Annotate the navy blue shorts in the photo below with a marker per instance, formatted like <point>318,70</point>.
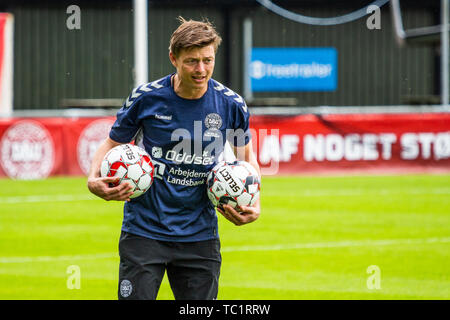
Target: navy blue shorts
<point>193,268</point>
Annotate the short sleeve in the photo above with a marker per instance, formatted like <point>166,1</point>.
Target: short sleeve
<point>127,123</point>
<point>240,134</point>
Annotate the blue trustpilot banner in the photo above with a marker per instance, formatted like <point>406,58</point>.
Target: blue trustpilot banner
<point>293,69</point>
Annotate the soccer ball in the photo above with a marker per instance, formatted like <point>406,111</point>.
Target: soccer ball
<point>131,164</point>
<point>234,183</point>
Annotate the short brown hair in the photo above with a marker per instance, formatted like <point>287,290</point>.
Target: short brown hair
<point>193,34</point>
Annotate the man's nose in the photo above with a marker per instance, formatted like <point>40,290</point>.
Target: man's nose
<point>200,67</point>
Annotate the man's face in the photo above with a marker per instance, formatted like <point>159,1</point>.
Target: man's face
<point>195,67</point>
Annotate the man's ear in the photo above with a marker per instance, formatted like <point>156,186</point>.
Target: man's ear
<point>173,59</point>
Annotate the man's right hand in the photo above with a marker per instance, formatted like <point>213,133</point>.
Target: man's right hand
<point>100,187</point>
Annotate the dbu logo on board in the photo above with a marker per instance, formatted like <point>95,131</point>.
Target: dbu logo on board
<point>293,69</point>
<point>27,151</point>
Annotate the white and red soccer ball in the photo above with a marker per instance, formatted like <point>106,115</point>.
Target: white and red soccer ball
<point>233,183</point>
<point>131,164</point>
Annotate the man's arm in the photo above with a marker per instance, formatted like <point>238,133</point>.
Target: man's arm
<point>100,186</point>
<point>247,214</point>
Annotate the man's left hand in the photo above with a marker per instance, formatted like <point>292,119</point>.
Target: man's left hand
<point>239,218</point>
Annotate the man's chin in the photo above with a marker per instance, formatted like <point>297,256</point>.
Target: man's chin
<point>200,85</point>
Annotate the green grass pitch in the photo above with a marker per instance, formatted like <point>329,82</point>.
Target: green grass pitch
<point>316,239</point>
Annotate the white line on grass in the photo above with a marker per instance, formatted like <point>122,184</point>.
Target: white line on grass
<point>58,258</point>
<point>306,193</point>
<point>47,198</point>
<point>293,246</point>
<point>363,192</point>
<point>336,244</point>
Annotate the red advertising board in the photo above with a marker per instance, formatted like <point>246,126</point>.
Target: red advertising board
<point>32,148</point>
<point>360,142</point>
<point>6,62</point>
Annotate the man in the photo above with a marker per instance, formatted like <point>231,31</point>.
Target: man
<point>183,120</point>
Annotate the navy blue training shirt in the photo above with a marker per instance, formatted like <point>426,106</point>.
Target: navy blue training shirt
<point>184,138</point>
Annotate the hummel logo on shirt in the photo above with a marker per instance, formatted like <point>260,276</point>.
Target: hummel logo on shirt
<point>163,117</point>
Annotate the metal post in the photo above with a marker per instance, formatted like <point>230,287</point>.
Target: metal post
<point>247,45</point>
<point>140,42</point>
<point>444,54</point>
<point>399,32</point>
